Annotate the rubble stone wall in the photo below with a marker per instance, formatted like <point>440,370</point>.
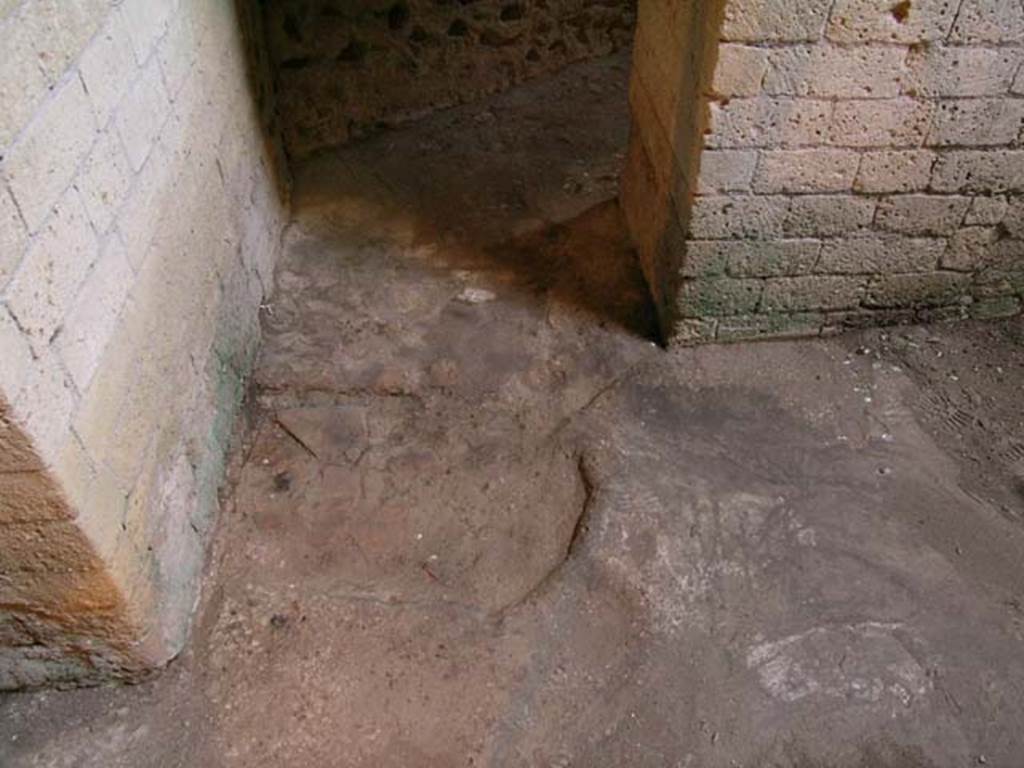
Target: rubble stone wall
<point>345,69</point>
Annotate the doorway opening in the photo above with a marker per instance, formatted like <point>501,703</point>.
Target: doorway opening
<point>497,131</point>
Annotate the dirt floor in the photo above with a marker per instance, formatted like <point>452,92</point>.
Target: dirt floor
<point>479,519</point>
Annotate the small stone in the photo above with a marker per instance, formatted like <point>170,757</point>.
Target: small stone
<point>476,296</point>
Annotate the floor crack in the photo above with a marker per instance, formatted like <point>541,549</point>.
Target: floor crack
<point>298,440</point>
<point>594,399</point>
<point>576,537</point>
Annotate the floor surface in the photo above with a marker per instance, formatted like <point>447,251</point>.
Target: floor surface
<point>479,519</point>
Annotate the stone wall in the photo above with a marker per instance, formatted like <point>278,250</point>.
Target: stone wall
<point>344,69</point>
<point>860,162</point>
<point>139,222</point>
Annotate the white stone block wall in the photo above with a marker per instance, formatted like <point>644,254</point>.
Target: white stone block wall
<point>867,155</point>
<point>140,217</point>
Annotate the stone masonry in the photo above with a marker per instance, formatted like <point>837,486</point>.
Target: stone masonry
<point>827,164</point>
<point>346,69</point>
<point>139,223</point>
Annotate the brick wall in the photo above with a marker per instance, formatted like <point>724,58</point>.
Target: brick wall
<point>860,163</point>
<point>346,69</point>
<point>139,222</point>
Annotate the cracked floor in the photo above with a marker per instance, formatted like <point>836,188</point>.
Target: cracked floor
<point>479,519</point>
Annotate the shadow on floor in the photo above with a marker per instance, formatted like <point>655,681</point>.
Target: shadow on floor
<point>522,187</point>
